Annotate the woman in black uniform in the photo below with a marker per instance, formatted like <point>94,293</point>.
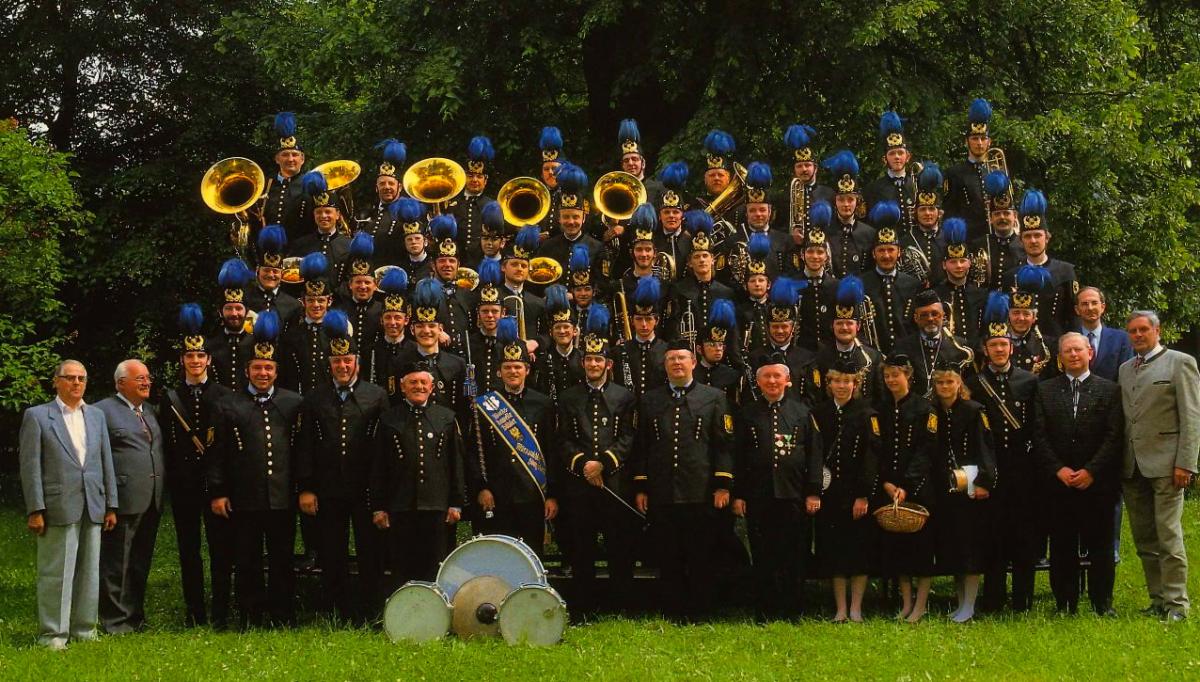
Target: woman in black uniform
<point>958,469</point>
<point>845,533</point>
<point>902,419</point>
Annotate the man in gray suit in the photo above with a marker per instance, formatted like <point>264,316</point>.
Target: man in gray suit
<point>137,454</point>
<point>1160,392</point>
<point>70,490</point>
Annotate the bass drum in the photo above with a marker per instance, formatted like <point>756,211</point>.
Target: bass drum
<point>533,615</point>
<point>417,612</point>
<point>501,556</point>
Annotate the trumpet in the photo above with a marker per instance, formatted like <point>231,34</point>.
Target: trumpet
<point>435,181</point>
<point>687,325</point>
<point>524,201</point>
<point>231,186</point>
<point>868,322</point>
<point>518,307</point>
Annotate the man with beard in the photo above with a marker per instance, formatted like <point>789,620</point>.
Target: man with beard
<point>999,250</point>
<point>932,344</point>
<point>229,347</point>
<point>267,293</point>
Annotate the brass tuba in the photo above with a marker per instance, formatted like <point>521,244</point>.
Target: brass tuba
<point>339,174</point>
<point>231,186</point>
<point>729,200</point>
<point>524,201</point>
<point>618,194</point>
<point>435,181</point>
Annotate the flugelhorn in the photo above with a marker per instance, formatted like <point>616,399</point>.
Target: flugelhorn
<point>230,187</point>
<point>523,201</point>
<point>435,181</point>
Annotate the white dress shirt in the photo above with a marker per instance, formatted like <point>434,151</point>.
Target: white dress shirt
<point>76,428</point>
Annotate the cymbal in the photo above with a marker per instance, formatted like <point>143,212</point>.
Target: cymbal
<point>476,606</point>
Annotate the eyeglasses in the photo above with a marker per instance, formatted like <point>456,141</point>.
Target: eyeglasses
<point>73,378</point>
<point>143,379</point>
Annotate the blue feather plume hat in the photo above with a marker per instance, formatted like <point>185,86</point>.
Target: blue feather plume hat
<point>579,266</point>
<point>979,116</point>
<point>266,336</point>
<point>285,131</point>
<point>362,250</point>
<point>843,167</point>
<point>647,296</point>
<point>891,131</point>
<point>758,182</point>
<point>674,177</point>
<point>930,185</point>
<point>191,329</point>
<point>630,138</point>
<point>954,235</point>
<point>443,233</point>
<point>551,143</point>
<point>394,154</point>
<point>995,316</point>
<point>998,191</point>
<point>719,148</point>
<point>596,330</point>
<point>394,285</point>
<point>849,298</point>
<point>1033,211</point>
<point>1030,282</point>
<point>480,154</point>
<point>340,333</point>
<point>783,298</point>
<point>272,243</point>
<point>722,321</point>
<point>799,138</point>
<point>233,279</point>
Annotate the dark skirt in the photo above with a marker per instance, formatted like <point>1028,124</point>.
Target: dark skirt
<point>845,547</point>
<point>962,530</point>
<point>909,554</point>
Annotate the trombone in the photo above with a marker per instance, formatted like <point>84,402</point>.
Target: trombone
<point>230,187</point>
<point>518,307</point>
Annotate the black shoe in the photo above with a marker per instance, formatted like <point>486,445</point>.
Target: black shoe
<point>1106,612</point>
<point>1153,610</point>
<point>1067,609</point>
<point>1174,617</point>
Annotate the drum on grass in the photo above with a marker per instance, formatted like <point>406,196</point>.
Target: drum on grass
<point>533,614</point>
<point>417,612</point>
<point>501,556</point>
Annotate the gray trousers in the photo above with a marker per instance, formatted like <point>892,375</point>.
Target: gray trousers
<point>68,566</point>
<point>125,554</point>
<point>1155,510</point>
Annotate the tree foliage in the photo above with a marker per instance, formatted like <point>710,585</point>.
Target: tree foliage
<point>39,210</point>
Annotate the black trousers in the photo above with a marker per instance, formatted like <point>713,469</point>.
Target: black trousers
<point>418,540</point>
<point>1082,519</point>
<point>191,509</point>
<point>686,539</point>
<point>125,554</point>
<point>591,514</point>
<point>276,529</point>
<point>780,534</point>
<point>1017,517</point>
<point>524,520</point>
<point>335,517</point>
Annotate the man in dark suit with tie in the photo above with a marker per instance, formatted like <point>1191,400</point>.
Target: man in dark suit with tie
<point>1079,445</point>
<point>137,452</point>
<point>1160,394</point>
<point>1110,346</point>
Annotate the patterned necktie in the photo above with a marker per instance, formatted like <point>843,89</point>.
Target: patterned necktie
<point>145,427</point>
<point>1074,397</point>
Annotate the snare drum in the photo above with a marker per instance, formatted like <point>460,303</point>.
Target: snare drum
<point>417,612</point>
<point>501,556</point>
<point>534,615</point>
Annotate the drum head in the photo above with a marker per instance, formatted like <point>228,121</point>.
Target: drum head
<point>477,607</point>
<point>497,555</point>
<point>417,612</point>
<point>533,614</point>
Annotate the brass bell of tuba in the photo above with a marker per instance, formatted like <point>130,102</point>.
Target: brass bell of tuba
<point>618,194</point>
<point>230,187</point>
<point>729,200</point>
<point>523,201</point>
<point>434,181</point>
<point>338,174</point>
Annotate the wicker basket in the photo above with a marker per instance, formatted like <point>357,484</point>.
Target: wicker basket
<point>902,517</point>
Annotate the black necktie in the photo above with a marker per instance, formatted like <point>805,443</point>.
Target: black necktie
<point>1074,396</point>
<point>262,398</point>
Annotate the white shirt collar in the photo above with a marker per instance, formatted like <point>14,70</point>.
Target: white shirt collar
<point>1086,373</point>
<point>126,401</point>
<point>66,409</point>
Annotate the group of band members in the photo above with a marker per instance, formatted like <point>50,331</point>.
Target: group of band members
<point>793,368</point>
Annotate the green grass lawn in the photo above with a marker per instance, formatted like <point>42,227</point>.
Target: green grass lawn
<point>1036,646</point>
